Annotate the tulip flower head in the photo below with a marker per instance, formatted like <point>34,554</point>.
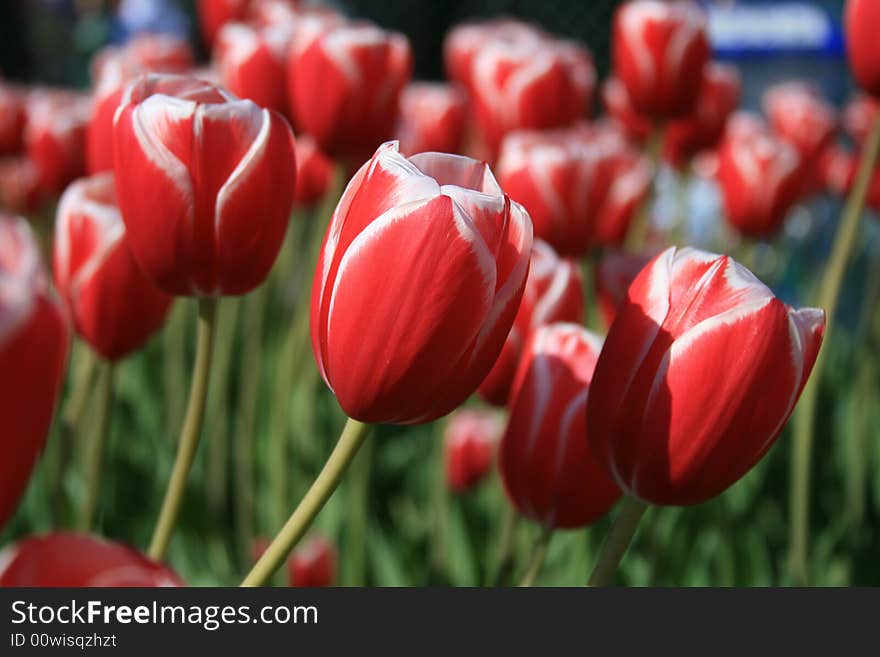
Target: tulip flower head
<point>21,190</point>
<point>313,563</point>
<point>612,276</point>
<point>699,373</point>
<point>314,172</point>
<point>78,560</point>
<point>859,116</point>
<point>55,136</point>
<point>549,473</point>
<point>432,118</point>
<point>113,305</point>
<point>861,18</point>
<point>659,51</point>
<point>417,285</point>
<point>33,352</point>
<point>553,293</point>
<point>619,108</point>
<point>205,183</point>
<point>12,120</point>
<point>470,441</point>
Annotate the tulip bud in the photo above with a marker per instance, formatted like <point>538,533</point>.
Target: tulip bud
<point>699,374</point>
<point>659,51</point>
<point>253,63</point>
<point>703,127</point>
<point>618,106</point>
<point>553,293</point>
<point>33,352</point>
<point>548,471</point>
<point>345,82</point>
<point>313,563</point>
<point>469,443</point>
<point>55,136</point>
<point>65,559</point>
<point>863,49</point>
<point>631,178</point>
<point>314,173</point>
<point>21,190</point>
<point>432,118</point>
<point>205,183</point>
<point>612,276</point>
<point>417,285</point>
<point>528,83</point>
<point>113,305</point>
<point>759,175</point>
<point>859,117</point>
<point>12,120</point>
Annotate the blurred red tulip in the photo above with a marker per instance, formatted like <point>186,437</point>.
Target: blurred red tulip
<point>861,18</point>
<point>699,374</point>
<point>417,285</point>
<point>33,352</point>
<point>760,179</point>
<point>553,293</point>
<point>55,136</point>
<point>345,82</point>
<point>839,168</point>
<point>548,471</point>
<point>12,120</point>
<point>631,180</point>
<point>432,118</point>
<point>618,106</point>
<point>64,559</point>
<point>859,116</point>
<point>113,305</point>
<point>469,443</point>
<point>704,126</point>
<point>253,63</point>
<point>313,563</point>
<point>214,14</point>
<point>21,190</point>
<point>612,276</point>
<point>659,51</point>
<point>314,172</point>
<point>205,183</point>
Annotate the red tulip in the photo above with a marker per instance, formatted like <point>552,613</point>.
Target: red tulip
<point>12,120</point>
<point>612,276</point>
<point>553,293</point>
<point>205,184</point>
<point>432,118</point>
<point>618,106</point>
<point>859,117</point>
<point>699,373</point>
<point>527,83</point>
<point>21,190</point>
<point>548,471</point>
<point>345,81</point>
<point>214,14</point>
<point>417,285</point>
<point>253,63</point>
<point>33,352</point>
<point>839,169</point>
<point>55,136</point>
<point>760,178</point>
<point>469,443</point>
<point>313,563</point>
<point>631,179</point>
<point>659,51</point>
<point>314,173</point>
<point>113,305</point>
<point>704,126</point>
<point>76,560</point>
<point>863,49</point>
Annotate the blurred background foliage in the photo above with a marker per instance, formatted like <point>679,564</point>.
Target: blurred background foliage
<point>416,532</point>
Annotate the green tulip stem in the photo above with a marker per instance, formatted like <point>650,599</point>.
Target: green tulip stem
<point>617,541</point>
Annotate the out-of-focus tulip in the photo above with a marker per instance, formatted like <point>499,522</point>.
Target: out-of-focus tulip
<point>839,168</point>
<point>214,14</point>
<point>612,276</point>
<point>78,560</point>
<point>704,126</point>
<point>33,352</point>
<point>55,136</point>
<point>760,178</point>
<point>618,106</point>
<point>469,444</point>
<point>699,374</point>
<point>21,190</point>
<point>345,82</point>
<point>659,51</point>
<point>553,293</point>
<point>432,256</point>
<point>12,120</point>
<point>205,183</point>
<point>861,18</point>
<point>859,116</point>
<point>631,180</point>
<point>314,172</point>
<point>432,118</point>
<point>548,471</point>
<point>113,305</point>
<point>253,63</point>
<point>313,563</point>
<point>523,83</point>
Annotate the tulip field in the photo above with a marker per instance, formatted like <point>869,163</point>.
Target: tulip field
<point>275,311</point>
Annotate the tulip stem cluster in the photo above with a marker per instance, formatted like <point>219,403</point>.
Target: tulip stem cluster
<point>192,428</point>
<point>505,545</point>
<point>617,541</point>
<point>805,414</point>
<point>95,448</point>
<point>539,552</point>
<point>353,436</point>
